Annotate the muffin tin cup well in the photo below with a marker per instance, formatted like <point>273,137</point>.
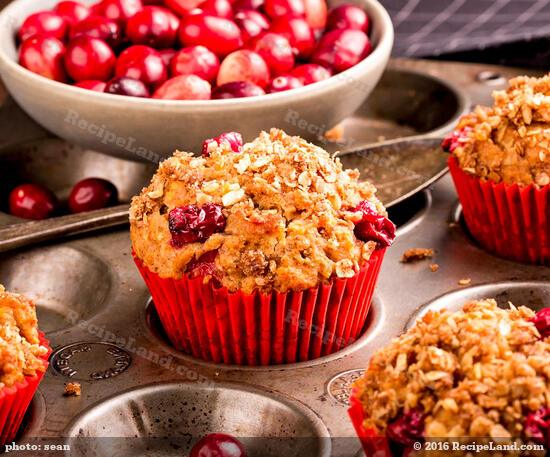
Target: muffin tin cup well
<point>263,329</point>
<point>509,221</point>
<point>15,400</point>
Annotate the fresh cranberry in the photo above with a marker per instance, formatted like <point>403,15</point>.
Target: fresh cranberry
<point>31,201</point>
<point>348,17</point>
<point>96,9</point>
<point>310,73</point>
<point>127,86</point>
<point>243,5</point>
<point>98,27</point>
<point>297,31</point>
<point>407,429</point>
<point>43,55</point>
<point>542,322</point>
<point>276,51</point>
<point>237,89</point>
<point>234,139</point>
<point>220,35</point>
<point>153,26</point>
<point>316,14</point>
<point>341,49</point>
<point>92,193</point>
<point>284,8</point>
<point>244,65</point>
<point>220,8</point>
<point>373,226</point>
<point>167,55</point>
<point>45,23</point>
<point>182,7</point>
<point>205,265</point>
<point>189,224</point>
<point>536,426</point>
<point>72,11</point>
<point>282,83</point>
<point>252,23</point>
<point>89,58</point>
<point>184,87</point>
<point>196,60</point>
<point>143,63</point>
<point>218,445</point>
<point>119,10</point>
<point>454,139</point>
<point>95,85</point>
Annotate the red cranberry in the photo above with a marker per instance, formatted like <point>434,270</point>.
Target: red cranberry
<point>348,17</point>
<point>95,85</point>
<point>96,9</point>
<point>244,5</point>
<point>153,26</point>
<point>72,11</point>
<point>120,10</point>
<point>143,63</point>
<point>276,51</point>
<point>92,193</point>
<point>407,429</point>
<point>182,7</point>
<point>89,58</point>
<point>297,31</point>
<point>341,49</point>
<point>205,265</point>
<point>282,83</point>
<point>252,23</point>
<point>167,55</point>
<point>127,86</point>
<point>454,139</point>
<point>284,8</point>
<point>237,89</point>
<point>196,60</point>
<point>234,139</point>
<point>220,8</point>
<point>31,201</point>
<point>45,23</point>
<point>98,27</point>
<point>373,226</point>
<point>244,65</point>
<point>184,87</point>
<point>310,73</point>
<point>542,322</point>
<point>43,55</point>
<point>536,426</point>
<point>218,445</point>
<point>316,14</point>
<point>190,224</point>
<point>220,35</point>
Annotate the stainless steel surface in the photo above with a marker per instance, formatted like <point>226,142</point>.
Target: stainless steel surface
<point>313,391</point>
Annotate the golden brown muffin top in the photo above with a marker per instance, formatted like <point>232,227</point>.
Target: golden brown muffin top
<point>20,349</point>
<point>509,142</point>
<point>478,372</point>
<point>289,213</point>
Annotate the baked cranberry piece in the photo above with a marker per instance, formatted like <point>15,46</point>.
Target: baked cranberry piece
<point>275,49</point>
<point>44,23</point>
<point>98,27</point>
<point>282,83</point>
<point>542,322</point>
<point>205,265</point>
<point>184,87</point>
<point>191,223</point>
<point>153,26</point>
<point>234,139</point>
<point>341,49</point>
<point>93,84</point>
<point>119,10</point>
<point>31,201</point>
<point>143,63</point>
<point>374,227</point>
<point>244,65</point>
<point>454,139</point>
<point>218,445</point>
<point>73,12</point>
<point>284,8</point>
<point>89,58</point>
<point>237,89</point>
<point>310,73</point>
<point>348,17</point>
<point>252,23</point>
<point>407,429</point>
<point>92,193</point>
<point>297,31</point>
<point>127,86</point>
<point>536,426</point>
<point>196,60</point>
<point>43,55</point>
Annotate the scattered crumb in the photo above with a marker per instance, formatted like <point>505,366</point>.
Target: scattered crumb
<point>381,138</point>
<point>413,255</point>
<point>464,282</point>
<point>434,267</point>
<point>73,388</point>
<point>452,224</point>
<point>335,133</point>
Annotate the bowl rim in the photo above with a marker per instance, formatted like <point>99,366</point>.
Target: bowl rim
<point>377,13</point>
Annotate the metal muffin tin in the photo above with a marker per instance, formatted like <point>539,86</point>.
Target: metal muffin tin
<point>141,397</point>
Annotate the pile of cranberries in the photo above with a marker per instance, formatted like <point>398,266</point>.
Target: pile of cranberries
<point>32,201</point>
<point>193,49</point>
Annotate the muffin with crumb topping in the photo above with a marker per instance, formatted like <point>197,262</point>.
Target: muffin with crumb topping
<point>500,163</point>
<point>23,360</point>
<point>479,374</point>
<point>271,246</point>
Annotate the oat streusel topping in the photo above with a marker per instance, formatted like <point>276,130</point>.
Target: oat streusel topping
<point>19,344</point>
<point>509,142</point>
<point>289,210</point>
<point>474,373</point>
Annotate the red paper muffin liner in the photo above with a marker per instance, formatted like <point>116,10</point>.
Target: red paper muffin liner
<point>263,329</point>
<point>15,400</point>
<point>509,221</point>
<point>373,445</point>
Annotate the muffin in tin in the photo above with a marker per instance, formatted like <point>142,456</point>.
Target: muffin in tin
<point>265,252</point>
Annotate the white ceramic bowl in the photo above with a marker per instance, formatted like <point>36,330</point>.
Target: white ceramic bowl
<point>147,129</point>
